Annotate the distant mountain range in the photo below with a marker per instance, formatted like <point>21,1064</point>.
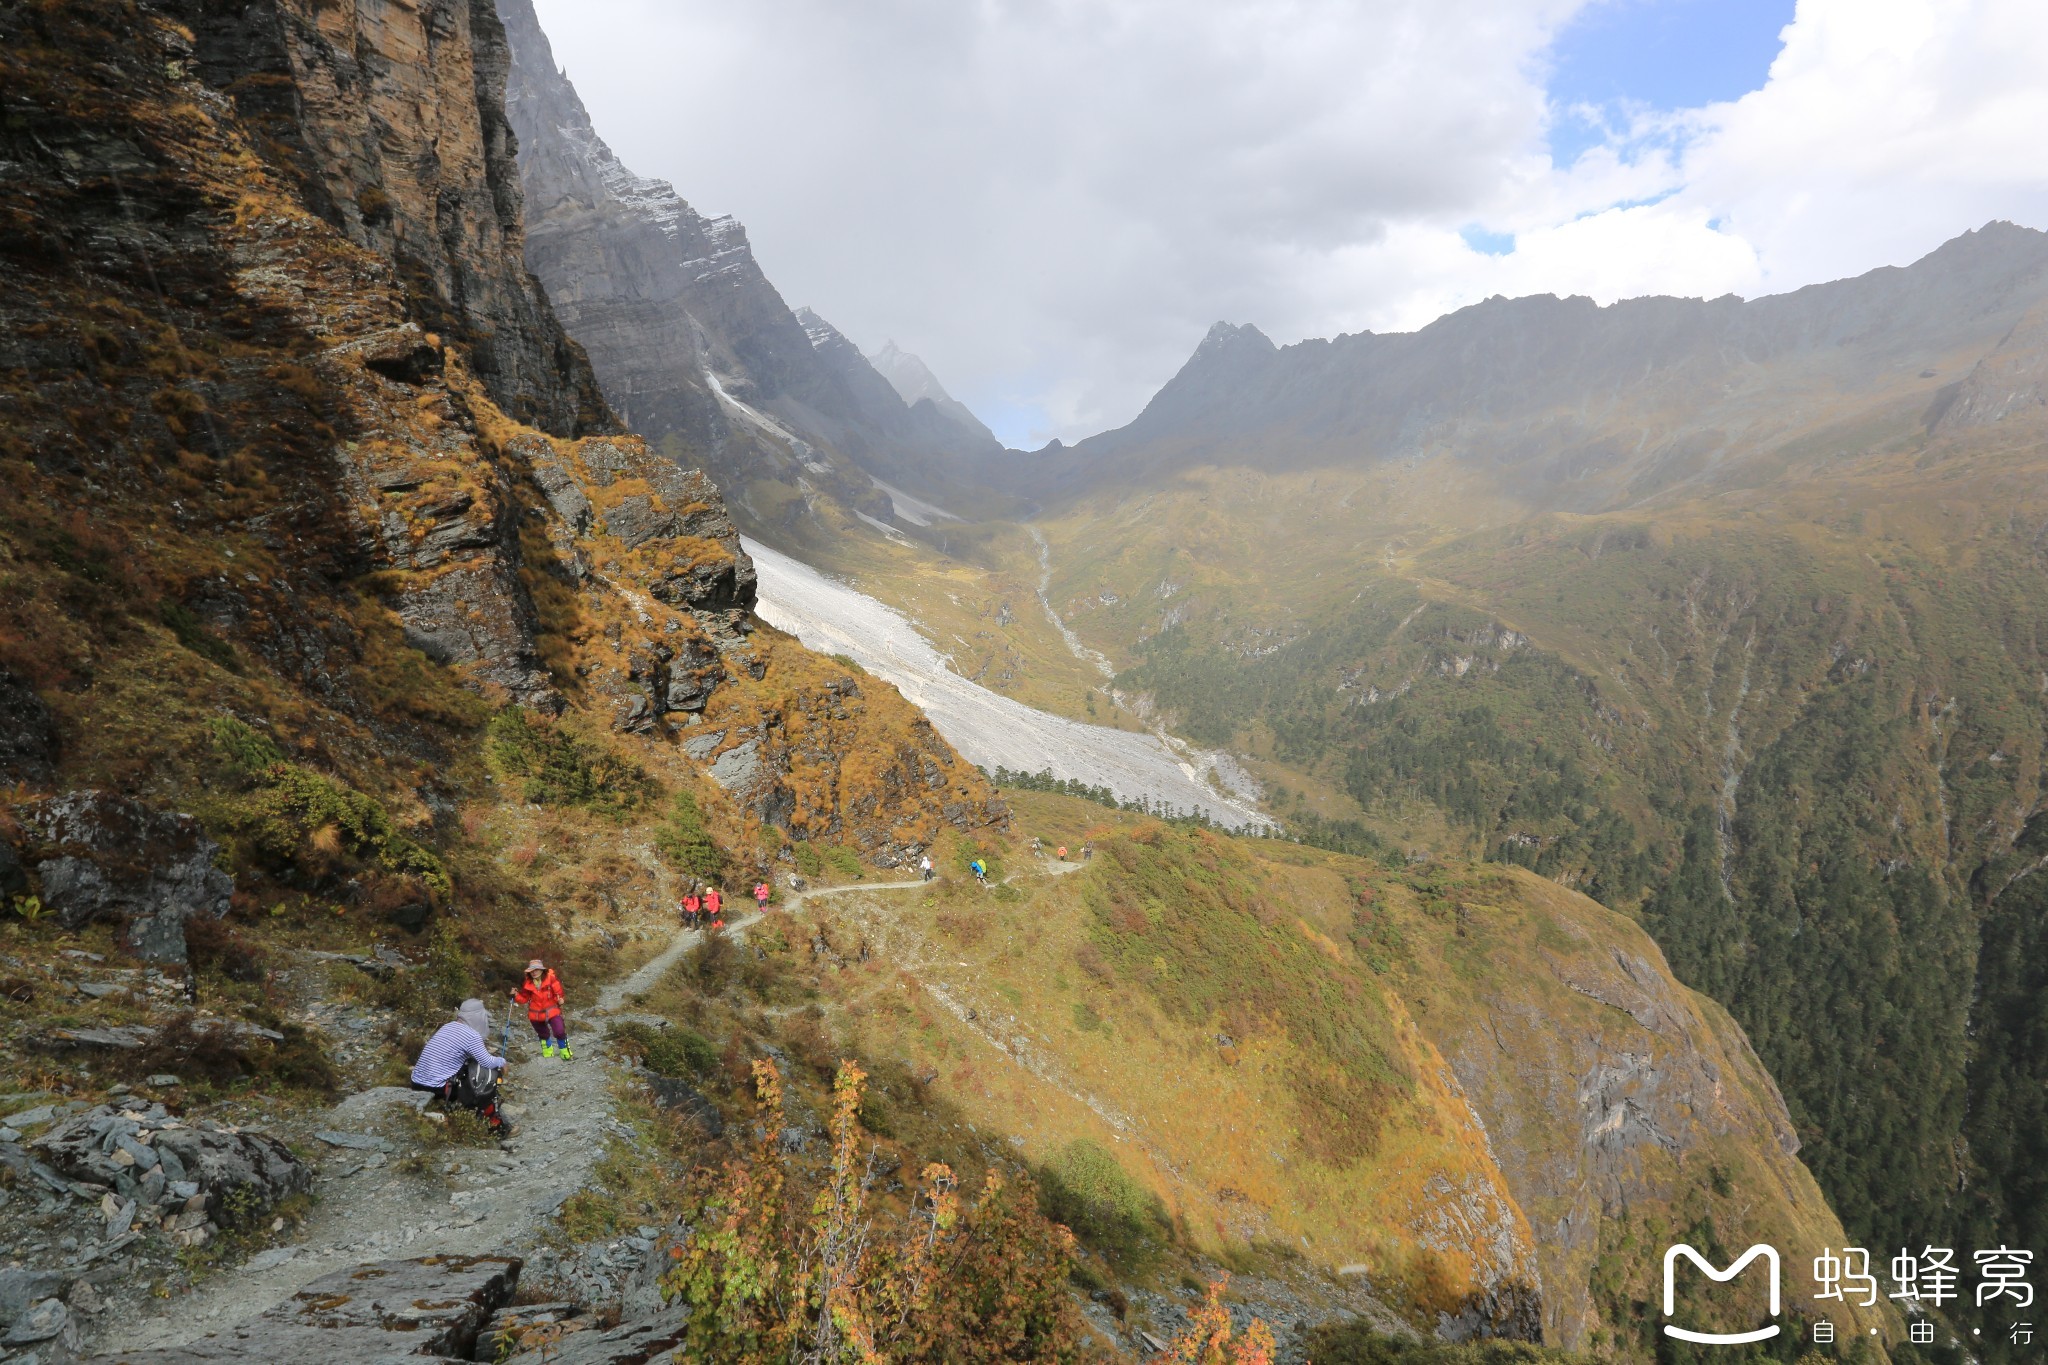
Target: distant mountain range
<point>1577,407</point>
<point>1730,613</point>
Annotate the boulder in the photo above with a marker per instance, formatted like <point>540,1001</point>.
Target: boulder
<point>687,1100</point>
<point>100,856</point>
<point>428,1309</point>
<point>201,1175</point>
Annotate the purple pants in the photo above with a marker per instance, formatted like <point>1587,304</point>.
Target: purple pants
<point>557,1026</point>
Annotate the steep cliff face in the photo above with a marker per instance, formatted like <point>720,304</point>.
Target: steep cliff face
<point>246,477</point>
<point>390,116</point>
<point>694,346</point>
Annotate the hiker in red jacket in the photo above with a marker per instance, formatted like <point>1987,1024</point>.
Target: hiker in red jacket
<point>761,894</point>
<point>691,905</point>
<point>714,906</point>
<point>541,993</point>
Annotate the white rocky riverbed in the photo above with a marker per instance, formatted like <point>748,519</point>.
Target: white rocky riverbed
<point>987,727</point>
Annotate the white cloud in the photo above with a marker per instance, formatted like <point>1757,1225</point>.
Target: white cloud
<point>1050,200</point>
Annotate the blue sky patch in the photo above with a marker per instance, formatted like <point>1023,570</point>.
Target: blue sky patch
<point>1488,243</point>
<point>1655,54</point>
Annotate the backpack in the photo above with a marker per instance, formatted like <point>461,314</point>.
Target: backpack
<point>475,1085</point>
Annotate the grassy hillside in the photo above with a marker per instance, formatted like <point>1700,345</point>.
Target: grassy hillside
<point>1460,1089</point>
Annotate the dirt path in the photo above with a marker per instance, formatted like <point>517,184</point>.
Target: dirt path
<point>500,1198</point>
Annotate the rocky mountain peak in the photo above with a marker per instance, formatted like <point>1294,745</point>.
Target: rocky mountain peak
<point>915,383</point>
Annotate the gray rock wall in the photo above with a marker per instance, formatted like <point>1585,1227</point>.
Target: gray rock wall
<point>394,112</point>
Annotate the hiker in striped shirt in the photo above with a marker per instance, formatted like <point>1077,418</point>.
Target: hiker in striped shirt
<point>456,1065</point>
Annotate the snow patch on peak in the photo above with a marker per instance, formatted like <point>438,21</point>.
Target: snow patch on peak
<point>820,332</point>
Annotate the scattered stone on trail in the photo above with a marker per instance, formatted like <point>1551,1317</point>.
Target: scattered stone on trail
<point>428,1309</point>
<point>366,1108</point>
<point>99,856</point>
<point>21,1290</point>
<point>127,1038</point>
<point>48,1327</point>
<point>132,1037</point>
<point>268,1260</point>
<point>361,1142</point>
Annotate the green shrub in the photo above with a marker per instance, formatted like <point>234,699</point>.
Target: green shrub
<point>685,842</point>
<point>843,860</point>
<point>286,813</point>
<point>249,753</point>
<point>682,1053</point>
<point>556,768</point>
<point>1084,1187</point>
<point>295,802</point>
<point>807,860</point>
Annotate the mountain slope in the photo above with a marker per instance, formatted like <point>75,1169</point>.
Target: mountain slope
<point>246,481</point>
<point>692,344</point>
<point>1727,613</point>
<point>1479,1095</point>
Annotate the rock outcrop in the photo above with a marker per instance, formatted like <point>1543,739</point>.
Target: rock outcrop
<point>391,114</point>
<point>693,345</point>
<point>102,857</point>
<point>152,1170</point>
<point>2010,383</point>
<point>1608,1091</point>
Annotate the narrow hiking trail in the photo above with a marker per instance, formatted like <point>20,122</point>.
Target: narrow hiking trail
<point>498,1201</point>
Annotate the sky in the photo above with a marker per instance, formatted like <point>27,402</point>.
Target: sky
<point>1050,201</point>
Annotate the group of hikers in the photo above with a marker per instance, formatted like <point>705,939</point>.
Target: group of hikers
<point>703,907</point>
<point>457,1063</point>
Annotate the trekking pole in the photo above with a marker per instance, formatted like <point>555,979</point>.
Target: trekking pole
<point>505,1033</point>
